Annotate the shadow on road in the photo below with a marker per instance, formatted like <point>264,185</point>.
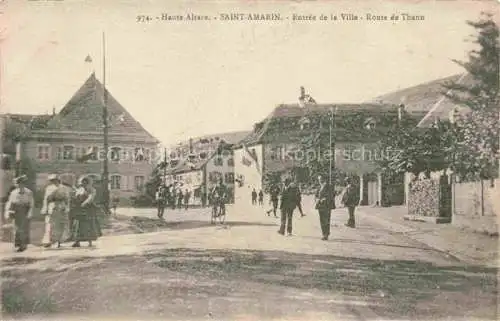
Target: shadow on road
<point>144,225</point>
<point>265,284</point>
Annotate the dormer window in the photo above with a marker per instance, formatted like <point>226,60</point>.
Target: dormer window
<point>370,123</point>
<point>304,123</point>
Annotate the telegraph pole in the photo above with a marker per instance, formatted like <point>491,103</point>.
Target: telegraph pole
<point>165,166</point>
<point>105,174</point>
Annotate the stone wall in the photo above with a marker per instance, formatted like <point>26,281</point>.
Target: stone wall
<point>476,206</point>
<point>423,198</point>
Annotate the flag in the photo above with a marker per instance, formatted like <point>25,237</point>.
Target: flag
<point>88,59</point>
<point>89,154</point>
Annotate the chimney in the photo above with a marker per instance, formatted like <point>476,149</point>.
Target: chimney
<point>53,111</point>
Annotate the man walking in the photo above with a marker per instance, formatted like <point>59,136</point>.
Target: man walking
<point>350,199</point>
<point>254,197</point>
<point>261,197</point>
<point>289,200</point>
<point>324,205</point>
<point>274,193</point>
<point>161,197</point>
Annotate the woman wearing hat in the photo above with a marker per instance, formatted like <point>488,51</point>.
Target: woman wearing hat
<point>56,205</point>
<point>85,226</point>
<point>20,207</point>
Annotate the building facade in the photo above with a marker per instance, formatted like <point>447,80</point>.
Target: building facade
<point>276,146</point>
<point>199,163</point>
<point>71,144</point>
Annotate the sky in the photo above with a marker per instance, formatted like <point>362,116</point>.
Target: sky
<point>184,79</point>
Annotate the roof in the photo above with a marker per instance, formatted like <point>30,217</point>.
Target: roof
<point>427,98</point>
<point>211,141</point>
<point>296,111</point>
<point>83,112</point>
<point>32,121</point>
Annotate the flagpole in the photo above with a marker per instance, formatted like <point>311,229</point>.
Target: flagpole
<point>105,178</point>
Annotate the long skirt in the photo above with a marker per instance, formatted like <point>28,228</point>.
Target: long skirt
<point>21,226</point>
<point>56,227</point>
<point>86,225</point>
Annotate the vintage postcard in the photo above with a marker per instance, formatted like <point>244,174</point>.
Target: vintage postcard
<point>249,160</point>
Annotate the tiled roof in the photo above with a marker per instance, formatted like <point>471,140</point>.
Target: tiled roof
<point>212,141</point>
<point>427,97</point>
<point>31,121</point>
<point>84,110</point>
<point>296,111</point>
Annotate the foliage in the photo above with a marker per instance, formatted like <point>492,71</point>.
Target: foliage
<point>418,150</point>
<point>142,200</point>
<point>470,146</point>
<point>477,148</point>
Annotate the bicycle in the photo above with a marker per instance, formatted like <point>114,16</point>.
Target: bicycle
<point>218,213</point>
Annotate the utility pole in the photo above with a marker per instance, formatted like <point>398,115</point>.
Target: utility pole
<point>105,174</point>
<point>165,166</point>
<point>332,145</point>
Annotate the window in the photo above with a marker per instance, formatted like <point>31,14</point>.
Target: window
<point>68,152</point>
<point>115,154</point>
<point>230,162</point>
<point>218,161</point>
<point>91,151</point>
<point>213,177</point>
<point>229,178</point>
<point>59,153</point>
<point>6,162</point>
<point>139,154</point>
<point>125,154</point>
<point>116,181</point>
<point>43,152</point>
<point>139,182</point>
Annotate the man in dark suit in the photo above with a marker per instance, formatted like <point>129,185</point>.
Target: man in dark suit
<point>324,204</point>
<point>289,200</point>
<point>274,193</point>
<point>350,199</point>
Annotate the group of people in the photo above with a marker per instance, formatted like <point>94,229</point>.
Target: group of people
<point>289,198</point>
<point>70,213</point>
<point>170,196</point>
<point>256,195</point>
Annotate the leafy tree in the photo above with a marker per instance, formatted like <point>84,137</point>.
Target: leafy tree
<point>317,140</point>
<point>477,132</point>
<point>418,150</point>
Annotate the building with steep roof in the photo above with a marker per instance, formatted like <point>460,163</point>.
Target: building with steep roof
<point>58,144</point>
<point>199,163</point>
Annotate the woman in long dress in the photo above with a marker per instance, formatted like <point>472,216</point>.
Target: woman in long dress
<point>56,205</point>
<point>85,226</point>
<point>19,206</point>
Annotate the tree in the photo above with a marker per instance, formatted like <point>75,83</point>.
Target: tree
<point>477,132</point>
<point>316,145</point>
<point>418,150</point>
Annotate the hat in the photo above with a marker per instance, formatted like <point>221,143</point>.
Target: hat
<point>20,179</point>
<point>54,177</point>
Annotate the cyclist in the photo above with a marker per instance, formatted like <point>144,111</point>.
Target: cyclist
<point>219,196</point>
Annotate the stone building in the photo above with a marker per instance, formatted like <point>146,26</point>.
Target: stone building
<point>63,141</point>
